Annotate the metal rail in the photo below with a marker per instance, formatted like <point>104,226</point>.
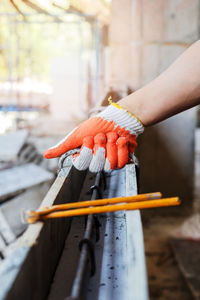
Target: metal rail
<point>87,249</point>
<point>60,270</point>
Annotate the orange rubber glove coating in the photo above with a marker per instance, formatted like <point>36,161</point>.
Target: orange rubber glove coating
<point>90,127</point>
<point>105,140</point>
<point>111,149</point>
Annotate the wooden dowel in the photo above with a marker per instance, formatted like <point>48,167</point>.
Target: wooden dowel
<point>109,208</point>
<point>141,197</point>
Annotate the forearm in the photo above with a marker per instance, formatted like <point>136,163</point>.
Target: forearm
<point>175,90</point>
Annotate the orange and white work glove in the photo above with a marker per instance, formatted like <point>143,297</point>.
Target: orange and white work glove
<point>105,140</point>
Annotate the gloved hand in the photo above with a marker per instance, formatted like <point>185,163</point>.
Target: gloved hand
<point>105,140</point>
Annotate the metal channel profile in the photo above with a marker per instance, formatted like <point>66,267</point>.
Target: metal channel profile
<point>87,251</point>
<point>136,279</point>
<point>121,268</point>
<point>28,271</point>
<point>50,249</point>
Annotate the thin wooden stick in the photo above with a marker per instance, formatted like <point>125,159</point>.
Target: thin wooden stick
<point>106,201</point>
<point>108,208</point>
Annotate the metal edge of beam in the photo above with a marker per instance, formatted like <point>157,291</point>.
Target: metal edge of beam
<point>137,284</point>
<point>23,274</point>
<point>109,280</point>
<point>135,270</point>
<point>20,249</point>
<point>121,271</point>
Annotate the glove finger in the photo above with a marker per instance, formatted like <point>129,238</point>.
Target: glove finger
<point>132,144</point>
<point>111,152</point>
<point>82,160</point>
<point>74,156</point>
<point>75,139</point>
<point>61,147</point>
<point>122,151</point>
<point>99,152</point>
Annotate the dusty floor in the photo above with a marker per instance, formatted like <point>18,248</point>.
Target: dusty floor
<point>165,280</point>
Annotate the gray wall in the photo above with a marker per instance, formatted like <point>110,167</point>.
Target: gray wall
<point>146,36</point>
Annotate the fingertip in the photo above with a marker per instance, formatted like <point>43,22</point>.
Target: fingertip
<point>121,141</point>
<point>58,150</point>
<point>88,141</point>
<point>132,143</point>
<point>81,161</point>
<point>100,138</point>
<point>122,147</point>
<point>74,156</point>
<point>111,155</point>
<point>98,159</point>
<point>49,154</point>
<point>45,154</point>
<point>112,137</point>
<point>107,166</point>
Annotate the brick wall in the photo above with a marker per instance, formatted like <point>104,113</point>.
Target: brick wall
<point>146,36</point>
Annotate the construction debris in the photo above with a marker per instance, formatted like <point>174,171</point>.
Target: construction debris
<point>11,144</point>
<point>20,178</point>
<point>6,235</point>
<point>2,248</point>
<point>5,230</point>
<point>12,209</point>
<point>187,253</point>
<point>24,180</point>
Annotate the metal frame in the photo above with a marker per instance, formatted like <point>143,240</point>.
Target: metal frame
<point>121,271</point>
<point>87,250</point>
<point>120,258</point>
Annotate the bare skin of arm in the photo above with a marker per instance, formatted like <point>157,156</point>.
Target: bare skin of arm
<point>175,90</point>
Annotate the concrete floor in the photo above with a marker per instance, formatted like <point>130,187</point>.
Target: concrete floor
<point>165,280</point>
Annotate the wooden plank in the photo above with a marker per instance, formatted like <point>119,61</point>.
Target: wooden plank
<point>20,178</point>
<point>29,270</point>
<point>187,253</point>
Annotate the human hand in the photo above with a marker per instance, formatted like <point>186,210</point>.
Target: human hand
<point>105,140</point>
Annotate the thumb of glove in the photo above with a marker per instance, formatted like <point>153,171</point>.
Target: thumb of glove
<point>113,119</point>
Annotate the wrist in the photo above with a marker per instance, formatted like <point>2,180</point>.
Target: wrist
<point>122,118</point>
<point>132,104</point>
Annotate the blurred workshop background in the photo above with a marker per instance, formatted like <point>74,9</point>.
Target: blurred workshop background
<point>59,62</point>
